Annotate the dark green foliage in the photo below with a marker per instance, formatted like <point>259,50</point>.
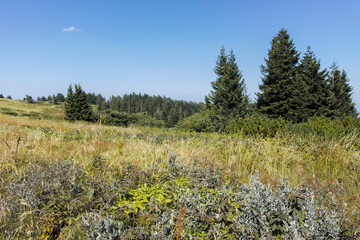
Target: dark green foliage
<point>280,91</point>
<point>42,99</point>
<point>52,99</point>
<point>76,105</point>
<point>9,97</point>
<point>299,91</point>
<point>1,96</point>
<point>115,118</point>
<point>256,125</point>
<point>161,108</point>
<point>318,96</point>
<point>205,121</point>
<point>228,97</point>
<point>60,97</point>
<point>69,104</point>
<point>82,108</point>
<point>341,104</point>
<point>98,100</point>
<point>317,126</point>
<point>28,99</point>
<point>124,119</point>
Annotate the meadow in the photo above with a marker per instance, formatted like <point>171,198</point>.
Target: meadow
<point>77,180</point>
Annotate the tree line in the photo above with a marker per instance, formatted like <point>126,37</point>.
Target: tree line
<point>293,88</point>
<point>127,108</point>
<point>298,89</point>
<point>8,96</point>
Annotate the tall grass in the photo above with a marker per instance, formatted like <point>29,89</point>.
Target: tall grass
<point>327,165</point>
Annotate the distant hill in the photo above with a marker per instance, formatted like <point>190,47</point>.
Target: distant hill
<point>39,110</point>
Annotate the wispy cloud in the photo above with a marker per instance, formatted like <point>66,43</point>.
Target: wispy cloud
<point>71,29</point>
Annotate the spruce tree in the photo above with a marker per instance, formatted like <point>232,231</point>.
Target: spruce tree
<point>341,104</point>
<point>69,105</point>
<point>216,96</point>
<point>277,96</point>
<point>318,94</point>
<point>76,105</point>
<point>228,97</point>
<point>82,109</point>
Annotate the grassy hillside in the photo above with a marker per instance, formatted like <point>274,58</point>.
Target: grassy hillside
<point>40,110</point>
<point>129,179</point>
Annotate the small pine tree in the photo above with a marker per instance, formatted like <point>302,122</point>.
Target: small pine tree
<point>76,105</point>
<point>228,97</point>
<point>69,105</point>
<point>216,95</point>
<point>341,104</point>
<point>82,106</point>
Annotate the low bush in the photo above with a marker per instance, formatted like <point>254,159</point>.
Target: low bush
<point>260,125</point>
<point>170,200</point>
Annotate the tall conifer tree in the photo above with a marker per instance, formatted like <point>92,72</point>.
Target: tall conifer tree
<point>82,107</point>
<point>342,104</point>
<point>215,98</point>
<point>228,97</point>
<point>69,104</point>
<point>277,96</point>
<point>318,94</point>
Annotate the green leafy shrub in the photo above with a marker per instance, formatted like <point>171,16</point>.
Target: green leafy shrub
<point>116,118</point>
<point>146,120</point>
<point>256,125</point>
<point>204,121</point>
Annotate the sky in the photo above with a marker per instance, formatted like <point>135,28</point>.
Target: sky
<point>166,47</point>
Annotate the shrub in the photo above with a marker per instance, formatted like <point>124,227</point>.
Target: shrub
<point>204,121</point>
<point>169,200</point>
<point>48,197</point>
<point>116,118</point>
<point>256,125</point>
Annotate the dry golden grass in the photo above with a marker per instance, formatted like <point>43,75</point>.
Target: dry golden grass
<point>39,110</point>
<point>335,164</point>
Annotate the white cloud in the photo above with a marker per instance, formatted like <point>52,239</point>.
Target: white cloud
<point>71,29</point>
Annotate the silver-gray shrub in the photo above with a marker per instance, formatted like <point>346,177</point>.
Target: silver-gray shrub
<point>284,212</point>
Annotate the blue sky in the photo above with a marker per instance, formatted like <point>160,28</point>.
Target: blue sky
<point>163,47</point>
